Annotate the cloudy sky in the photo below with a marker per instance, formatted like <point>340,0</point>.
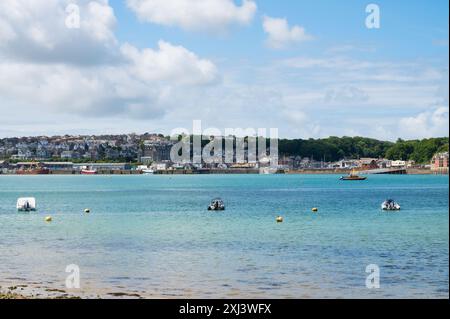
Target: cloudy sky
<point>309,68</point>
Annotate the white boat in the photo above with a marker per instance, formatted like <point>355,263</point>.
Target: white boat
<point>267,170</point>
<point>26,204</point>
<point>390,204</point>
<point>216,205</point>
<point>88,172</point>
<point>145,170</point>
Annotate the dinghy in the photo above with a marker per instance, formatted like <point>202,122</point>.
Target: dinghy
<point>216,205</point>
<point>390,204</point>
<point>26,204</point>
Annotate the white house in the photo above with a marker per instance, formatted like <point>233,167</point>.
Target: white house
<point>398,164</point>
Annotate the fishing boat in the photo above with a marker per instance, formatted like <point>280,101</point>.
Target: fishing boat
<point>33,169</point>
<point>353,177</point>
<point>217,204</point>
<point>36,171</point>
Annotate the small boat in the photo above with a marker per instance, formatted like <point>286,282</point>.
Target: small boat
<point>216,205</point>
<point>353,177</point>
<point>148,171</point>
<point>26,204</point>
<point>88,171</point>
<point>268,170</point>
<point>390,204</point>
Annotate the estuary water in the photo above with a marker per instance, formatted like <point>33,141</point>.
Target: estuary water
<point>151,236</point>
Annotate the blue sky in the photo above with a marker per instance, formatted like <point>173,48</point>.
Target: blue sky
<point>408,30</point>
<point>308,68</point>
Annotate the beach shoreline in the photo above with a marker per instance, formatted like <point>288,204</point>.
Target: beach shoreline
<point>22,289</point>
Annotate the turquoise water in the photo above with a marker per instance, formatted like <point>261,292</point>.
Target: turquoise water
<point>152,235</point>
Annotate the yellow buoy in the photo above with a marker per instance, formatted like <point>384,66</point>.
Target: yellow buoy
<point>48,219</point>
<point>87,210</point>
<point>315,209</point>
<point>279,219</point>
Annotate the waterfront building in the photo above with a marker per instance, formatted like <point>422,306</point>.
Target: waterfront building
<point>439,163</point>
<point>58,166</point>
<point>384,163</point>
<point>161,166</point>
<point>368,163</point>
<point>398,164</point>
<point>19,156</point>
<point>103,166</point>
<point>155,151</point>
<point>345,164</point>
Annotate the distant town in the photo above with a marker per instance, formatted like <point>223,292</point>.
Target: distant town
<point>150,154</point>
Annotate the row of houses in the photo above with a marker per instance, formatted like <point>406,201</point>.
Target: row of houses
<point>90,148</point>
<point>373,163</point>
<point>362,163</point>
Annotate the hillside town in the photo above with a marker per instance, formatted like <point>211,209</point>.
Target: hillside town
<point>150,153</point>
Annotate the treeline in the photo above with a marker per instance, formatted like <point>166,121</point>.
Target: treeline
<point>336,148</point>
<point>420,151</point>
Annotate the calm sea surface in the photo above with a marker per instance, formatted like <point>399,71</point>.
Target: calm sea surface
<point>153,235</point>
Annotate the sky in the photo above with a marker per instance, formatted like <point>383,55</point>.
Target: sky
<point>309,68</point>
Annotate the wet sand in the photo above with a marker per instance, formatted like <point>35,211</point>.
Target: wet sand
<point>22,290</point>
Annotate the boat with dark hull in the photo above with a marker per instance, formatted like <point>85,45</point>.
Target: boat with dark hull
<point>41,171</point>
<point>353,177</point>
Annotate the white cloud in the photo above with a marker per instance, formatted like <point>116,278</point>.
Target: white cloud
<point>137,87</point>
<point>198,15</point>
<point>426,124</point>
<point>36,31</point>
<point>51,69</point>
<point>280,35</point>
<point>60,89</point>
<point>169,63</point>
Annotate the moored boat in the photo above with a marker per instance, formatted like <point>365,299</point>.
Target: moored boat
<point>36,171</point>
<point>148,171</point>
<point>217,204</point>
<point>353,177</point>
<point>26,204</point>
<point>88,172</point>
<point>390,204</point>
